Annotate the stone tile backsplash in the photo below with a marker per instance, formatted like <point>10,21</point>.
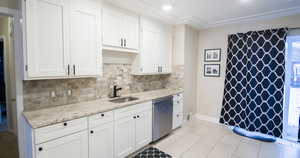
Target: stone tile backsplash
<point>48,93</point>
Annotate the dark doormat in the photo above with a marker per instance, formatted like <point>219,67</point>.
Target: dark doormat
<point>152,152</point>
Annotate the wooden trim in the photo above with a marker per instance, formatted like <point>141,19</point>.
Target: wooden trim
<point>18,53</point>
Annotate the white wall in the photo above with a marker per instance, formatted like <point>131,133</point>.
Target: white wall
<point>210,90</point>
<point>179,45</point>
<point>13,4</point>
<point>190,68</point>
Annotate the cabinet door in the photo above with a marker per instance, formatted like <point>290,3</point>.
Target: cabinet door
<point>111,28</point>
<point>143,127</point>
<point>148,54</point>
<point>101,141</point>
<point>85,38</point>
<point>124,137</point>
<point>131,32</point>
<point>47,38</point>
<point>73,146</point>
<point>165,49</point>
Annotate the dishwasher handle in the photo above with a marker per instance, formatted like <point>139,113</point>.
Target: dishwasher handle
<point>163,99</point>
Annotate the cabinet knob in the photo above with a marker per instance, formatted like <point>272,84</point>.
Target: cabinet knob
<point>138,116</point>
<point>102,115</point>
<point>92,132</point>
<point>134,117</point>
<point>65,124</point>
<point>40,149</point>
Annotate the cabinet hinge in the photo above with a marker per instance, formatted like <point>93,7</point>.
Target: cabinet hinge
<point>26,67</point>
<point>11,29</point>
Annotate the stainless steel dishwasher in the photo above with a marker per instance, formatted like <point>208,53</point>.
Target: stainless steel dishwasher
<point>162,117</point>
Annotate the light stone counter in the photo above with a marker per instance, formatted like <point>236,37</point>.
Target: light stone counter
<point>50,116</point>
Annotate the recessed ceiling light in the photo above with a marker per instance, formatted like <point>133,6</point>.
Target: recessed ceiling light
<point>167,7</point>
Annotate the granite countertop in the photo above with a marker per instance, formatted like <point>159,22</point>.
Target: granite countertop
<point>54,115</point>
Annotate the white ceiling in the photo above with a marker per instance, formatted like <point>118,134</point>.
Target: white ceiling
<point>209,13</point>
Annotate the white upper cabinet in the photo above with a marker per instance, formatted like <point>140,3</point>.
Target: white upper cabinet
<point>120,30</point>
<point>131,31</point>
<point>156,48</point>
<point>62,38</point>
<point>85,37</point>
<point>47,37</point>
<point>111,26</point>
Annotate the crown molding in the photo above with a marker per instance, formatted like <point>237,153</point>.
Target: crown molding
<point>151,11</point>
<point>262,16</point>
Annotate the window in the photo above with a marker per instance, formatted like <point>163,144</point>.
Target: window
<point>292,87</point>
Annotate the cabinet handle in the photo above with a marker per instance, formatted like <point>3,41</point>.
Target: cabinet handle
<point>92,132</point>
<point>74,70</point>
<point>121,42</point>
<point>125,42</point>
<point>134,117</point>
<point>102,115</point>
<point>68,69</point>
<point>65,124</point>
<point>40,149</point>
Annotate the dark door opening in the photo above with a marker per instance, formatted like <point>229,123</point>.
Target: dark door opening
<point>3,110</point>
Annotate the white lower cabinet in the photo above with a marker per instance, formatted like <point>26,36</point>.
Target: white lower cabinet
<point>112,134</point>
<point>101,141</point>
<point>143,133</point>
<point>73,146</point>
<point>133,131</point>
<point>124,136</point>
<point>177,110</point>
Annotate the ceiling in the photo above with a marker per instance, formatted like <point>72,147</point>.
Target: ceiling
<point>210,13</point>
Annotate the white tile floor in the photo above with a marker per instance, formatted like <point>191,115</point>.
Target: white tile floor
<point>200,139</point>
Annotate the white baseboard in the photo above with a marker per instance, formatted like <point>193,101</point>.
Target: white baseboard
<point>207,118</point>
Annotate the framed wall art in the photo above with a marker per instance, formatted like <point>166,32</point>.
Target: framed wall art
<point>212,55</point>
<point>211,70</point>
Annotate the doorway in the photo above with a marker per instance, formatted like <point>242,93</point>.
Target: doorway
<point>3,111</point>
<point>8,113</point>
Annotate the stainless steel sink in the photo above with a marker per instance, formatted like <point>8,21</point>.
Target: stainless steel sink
<point>124,99</point>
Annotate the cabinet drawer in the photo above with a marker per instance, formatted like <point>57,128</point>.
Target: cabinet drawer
<point>101,118</point>
<point>177,102</point>
<point>132,110</point>
<point>58,130</point>
<point>178,97</point>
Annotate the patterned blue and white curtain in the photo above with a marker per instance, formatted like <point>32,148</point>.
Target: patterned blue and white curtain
<point>254,83</point>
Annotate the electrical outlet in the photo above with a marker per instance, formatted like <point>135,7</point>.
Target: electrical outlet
<point>69,92</point>
<point>52,94</point>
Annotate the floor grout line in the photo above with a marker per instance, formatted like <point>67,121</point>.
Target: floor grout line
<point>260,148</point>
